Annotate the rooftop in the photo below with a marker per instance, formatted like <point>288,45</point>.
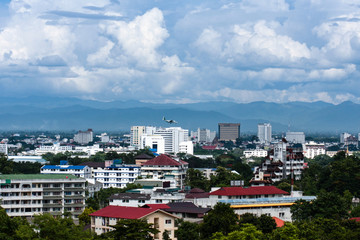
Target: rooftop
<point>240,191</point>
<point>164,160</point>
<point>123,212</point>
<point>63,167</point>
<point>36,176</point>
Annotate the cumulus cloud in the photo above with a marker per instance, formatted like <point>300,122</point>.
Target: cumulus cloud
<point>263,50</point>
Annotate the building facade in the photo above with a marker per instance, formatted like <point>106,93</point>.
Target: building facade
<point>78,171</point>
<point>295,137</point>
<point>163,165</point>
<point>264,133</point>
<point>25,195</point>
<point>84,137</point>
<point>102,220</point>
<point>229,131</point>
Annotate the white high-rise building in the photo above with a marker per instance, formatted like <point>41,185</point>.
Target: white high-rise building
<point>264,133</point>
<point>154,142</point>
<point>173,136</point>
<point>4,148</point>
<point>84,137</point>
<point>137,131</point>
<point>203,135</point>
<point>295,137</point>
<point>344,136</point>
<point>186,147</point>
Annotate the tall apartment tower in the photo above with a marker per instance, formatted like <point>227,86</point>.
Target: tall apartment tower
<point>84,137</point>
<point>264,133</point>
<point>137,131</point>
<point>229,131</point>
<point>173,136</point>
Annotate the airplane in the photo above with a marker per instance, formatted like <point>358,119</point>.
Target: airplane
<point>169,121</point>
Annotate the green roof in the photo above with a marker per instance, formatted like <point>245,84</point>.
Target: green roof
<point>36,176</point>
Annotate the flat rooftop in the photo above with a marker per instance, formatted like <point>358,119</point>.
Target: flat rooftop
<point>36,176</point>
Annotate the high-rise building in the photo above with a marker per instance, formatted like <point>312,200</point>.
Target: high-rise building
<point>26,195</point>
<point>154,142</point>
<point>84,137</point>
<point>173,136</point>
<point>229,131</point>
<point>344,136</point>
<point>3,148</point>
<point>295,137</point>
<point>264,133</point>
<point>137,131</point>
<point>203,135</point>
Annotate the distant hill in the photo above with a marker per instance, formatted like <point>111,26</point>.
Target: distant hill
<point>44,113</point>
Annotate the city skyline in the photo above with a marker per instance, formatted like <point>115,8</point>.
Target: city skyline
<point>181,52</point>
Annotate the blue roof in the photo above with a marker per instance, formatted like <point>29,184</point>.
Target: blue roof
<point>62,167</point>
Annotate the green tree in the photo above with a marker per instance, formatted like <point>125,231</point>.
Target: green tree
<point>264,223</point>
<point>84,217</point>
<point>6,166</point>
<point>195,179</point>
<point>302,210</point>
<point>247,232</point>
<point>187,230</point>
<point>51,228</point>
<point>221,219</point>
<point>132,229</point>
<point>223,177</point>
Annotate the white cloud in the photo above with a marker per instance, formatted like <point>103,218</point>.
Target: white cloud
<point>252,50</point>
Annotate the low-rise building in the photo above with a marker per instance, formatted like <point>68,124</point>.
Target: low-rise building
<point>162,165</point>
<point>25,195</point>
<point>102,220</point>
<point>117,175</point>
<point>255,153</point>
<point>78,171</point>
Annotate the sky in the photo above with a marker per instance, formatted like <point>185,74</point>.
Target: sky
<point>181,51</point>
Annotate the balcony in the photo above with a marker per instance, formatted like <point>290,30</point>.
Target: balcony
<point>52,197</point>
<point>50,205</point>
<point>78,196</point>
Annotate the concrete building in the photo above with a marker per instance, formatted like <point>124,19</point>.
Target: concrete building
<point>116,174</point>
<point>186,147</point>
<point>84,137</point>
<point>153,142</point>
<point>137,131</point>
<point>25,195</point>
<point>30,159</point>
<point>281,161</point>
<point>344,136</point>
<point>313,149</point>
<point>264,133</point>
<point>295,137</point>
<point>173,136</point>
<point>267,200</point>
<point>4,148</point>
<point>255,153</point>
<point>229,131</point>
<point>64,168</point>
<point>163,165</point>
<point>203,135</point>
<point>102,220</point>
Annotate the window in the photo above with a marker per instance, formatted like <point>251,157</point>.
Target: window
<point>281,214</point>
<point>168,221</point>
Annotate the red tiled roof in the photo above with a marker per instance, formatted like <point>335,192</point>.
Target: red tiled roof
<point>209,147</point>
<point>164,160</point>
<point>123,212</point>
<point>240,191</point>
<point>156,206</point>
<point>357,219</point>
<point>279,222</point>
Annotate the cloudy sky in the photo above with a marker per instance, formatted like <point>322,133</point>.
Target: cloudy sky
<point>181,51</point>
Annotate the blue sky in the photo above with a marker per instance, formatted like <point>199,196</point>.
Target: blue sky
<point>181,51</point>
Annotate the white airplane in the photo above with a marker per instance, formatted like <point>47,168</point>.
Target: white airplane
<point>169,121</point>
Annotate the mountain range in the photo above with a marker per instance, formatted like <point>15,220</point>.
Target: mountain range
<point>54,113</point>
